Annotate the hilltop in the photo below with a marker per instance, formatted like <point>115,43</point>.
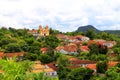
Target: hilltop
<point>86,28</point>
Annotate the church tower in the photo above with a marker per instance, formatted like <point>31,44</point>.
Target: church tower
<point>44,31</point>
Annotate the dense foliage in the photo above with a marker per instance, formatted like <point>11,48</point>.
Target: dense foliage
<point>17,40</point>
<point>12,70</point>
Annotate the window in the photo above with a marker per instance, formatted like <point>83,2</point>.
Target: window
<point>53,74</point>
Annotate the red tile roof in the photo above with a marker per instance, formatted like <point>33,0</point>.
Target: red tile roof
<point>14,54</point>
<point>112,63</point>
<point>44,49</point>
<point>33,31</point>
<point>79,36</point>
<point>1,54</point>
<point>84,48</point>
<point>71,37</point>
<point>74,59</point>
<point>91,66</point>
<point>70,48</point>
<point>61,36</point>
<point>59,47</point>
<point>53,66</point>
<point>78,61</point>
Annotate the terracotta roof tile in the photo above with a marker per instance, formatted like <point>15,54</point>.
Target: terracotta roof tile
<point>44,49</point>
<point>91,66</point>
<point>111,63</point>
<point>70,48</point>
<point>78,61</point>
<point>84,48</point>
<point>52,65</point>
<point>33,31</point>
<point>14,54</point>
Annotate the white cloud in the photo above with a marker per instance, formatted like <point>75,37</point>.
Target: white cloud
<point>65,15</point>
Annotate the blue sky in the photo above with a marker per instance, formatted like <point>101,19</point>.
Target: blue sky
<point>63,15</point>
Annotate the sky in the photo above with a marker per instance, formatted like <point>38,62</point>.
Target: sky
<point>63,15</point>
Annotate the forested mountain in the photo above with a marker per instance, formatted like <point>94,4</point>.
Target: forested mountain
<point>86,28</point>
<point>116,32</point>
<point>90,27</point>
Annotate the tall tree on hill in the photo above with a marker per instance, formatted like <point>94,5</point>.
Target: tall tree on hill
<point>80,74</point>
<point>94,49</point>
<point>90,33</point>
<point>52,41</point>
<point>102,66</point>
<point>12,47</point>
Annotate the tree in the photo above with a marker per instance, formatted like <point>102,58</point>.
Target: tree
<point>30,56</point>
<point>103,49</point>
<point>116,50</point>
<point>4,41</point>
<point>104,35</point>
<point>63,73</point>
<point>90,33</point>
<point>113,73</point>
<point>12,47</point>
<point>94,49</point>
<point>52,41</point>
<point>63,61</point>
<point>44,58</point>
<point>29,41</point>
<point>99,57</point>
<point>80,74</point>
<point>53,32</point>
<point>13,70</point>
<point>101,66</point>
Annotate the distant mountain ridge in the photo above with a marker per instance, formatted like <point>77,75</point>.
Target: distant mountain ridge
<point>116,32</point>
<point>86,28</point>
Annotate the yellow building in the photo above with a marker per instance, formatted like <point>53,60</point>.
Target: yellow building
<point>44,31</point>
<point>38,67</point>
<point>41,32</point>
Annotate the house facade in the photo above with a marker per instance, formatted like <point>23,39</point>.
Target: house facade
<point>18,55</point>
<point>82,38</point>
<point>38,67</point>
<point>68,49</point>
<point>41,32</point>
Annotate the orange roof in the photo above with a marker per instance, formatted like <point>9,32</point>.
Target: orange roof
<point>84,48</point>
<point>112,63</point>
<point>32,31</point>
<point>91,42</point>
<point>48,70</point>
<point>37,71</point>
<point>61,36</point>
<point>70,48</point>
<point>44,49</point>
<point>71,37</point>
<point>43,70</point>
<point>99,40</point>
<point>59,47</point>
<point>78,61</point>
<point>1,54</point>
<point>91,66</point>
<point>38,66</point>
<point>1,71</point>
<point>73,59</point>
<point>52,65</point>
<point>14,54</point>
<point>79,36</point>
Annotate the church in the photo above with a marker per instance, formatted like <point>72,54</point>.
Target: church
<point>41,32</point>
